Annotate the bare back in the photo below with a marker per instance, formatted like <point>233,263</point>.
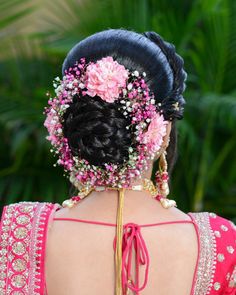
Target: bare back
<point>80,256</point>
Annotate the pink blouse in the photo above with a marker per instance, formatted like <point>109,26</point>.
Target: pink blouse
<point>23,234</point>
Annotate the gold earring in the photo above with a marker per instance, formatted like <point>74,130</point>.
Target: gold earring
<point>162,186</point>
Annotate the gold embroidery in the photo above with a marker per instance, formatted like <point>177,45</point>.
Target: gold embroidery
<point>18,281</point>
<point>19,264</point>
<point>18,248</point>
<point>20,232</point>
<point>230,249</point>
<point>217,286</point>
<point>206,264</point>
<point>224,228</point>
<point>213,215</point>
<point>217,234</point>
<point>232,280</point>
<point>228,276</point>
<point>3,275</point>
<point>21,238</point>
<point>23,219</point>
<point>220,257</point>
<point>26,209</point>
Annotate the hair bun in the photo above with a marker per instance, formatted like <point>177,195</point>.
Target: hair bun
<point>98,130</point>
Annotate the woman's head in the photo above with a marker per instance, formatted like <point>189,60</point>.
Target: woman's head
<point>99,124</point>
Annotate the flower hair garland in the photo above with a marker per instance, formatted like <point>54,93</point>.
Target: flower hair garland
<point>112,82</point>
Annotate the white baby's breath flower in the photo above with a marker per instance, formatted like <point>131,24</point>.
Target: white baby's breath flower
<point>64,107</point>
<point>143,124</point>
<point>81,85</point>
<point>130,149</point>
<point>58,89</point>
<point>129,86</point>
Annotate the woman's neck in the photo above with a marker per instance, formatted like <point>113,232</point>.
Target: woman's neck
<point>139,207</point>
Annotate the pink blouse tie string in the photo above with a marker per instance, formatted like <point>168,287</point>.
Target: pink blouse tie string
<point>132,237</point>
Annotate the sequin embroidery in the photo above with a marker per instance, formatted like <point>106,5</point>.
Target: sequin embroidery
<point>22,230</point>
<point>232,280</point>
<point>207,259</point>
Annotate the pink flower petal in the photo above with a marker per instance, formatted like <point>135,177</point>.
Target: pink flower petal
<point>105,78</point>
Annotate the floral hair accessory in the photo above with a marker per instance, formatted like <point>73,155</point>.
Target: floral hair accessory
<point>105,78</point>
<point>113,83</point>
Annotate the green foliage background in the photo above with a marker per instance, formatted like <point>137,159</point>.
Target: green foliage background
<point>35,37</point>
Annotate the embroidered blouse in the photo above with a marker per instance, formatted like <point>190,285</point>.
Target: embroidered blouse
<point>23,234</point>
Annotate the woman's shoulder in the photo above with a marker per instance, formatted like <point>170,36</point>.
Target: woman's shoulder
<point>217,238</point>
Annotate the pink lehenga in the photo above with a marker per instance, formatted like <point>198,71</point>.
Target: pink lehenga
<point>23,235</point>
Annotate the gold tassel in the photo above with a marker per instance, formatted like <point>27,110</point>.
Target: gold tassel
<point>119,235</point>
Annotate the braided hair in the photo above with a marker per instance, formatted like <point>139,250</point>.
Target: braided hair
<point>176,63</point>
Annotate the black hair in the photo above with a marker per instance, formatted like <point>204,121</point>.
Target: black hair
<point>98,129</point>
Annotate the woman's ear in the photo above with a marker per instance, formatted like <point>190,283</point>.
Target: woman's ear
<point>166,138</point>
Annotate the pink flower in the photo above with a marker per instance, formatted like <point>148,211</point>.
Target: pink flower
<point>52,124</point>
<point>156,131</point>
<point>105,77</point>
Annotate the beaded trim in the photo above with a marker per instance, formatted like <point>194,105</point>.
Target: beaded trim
<point>22,239</point>
<point>207,256</point>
